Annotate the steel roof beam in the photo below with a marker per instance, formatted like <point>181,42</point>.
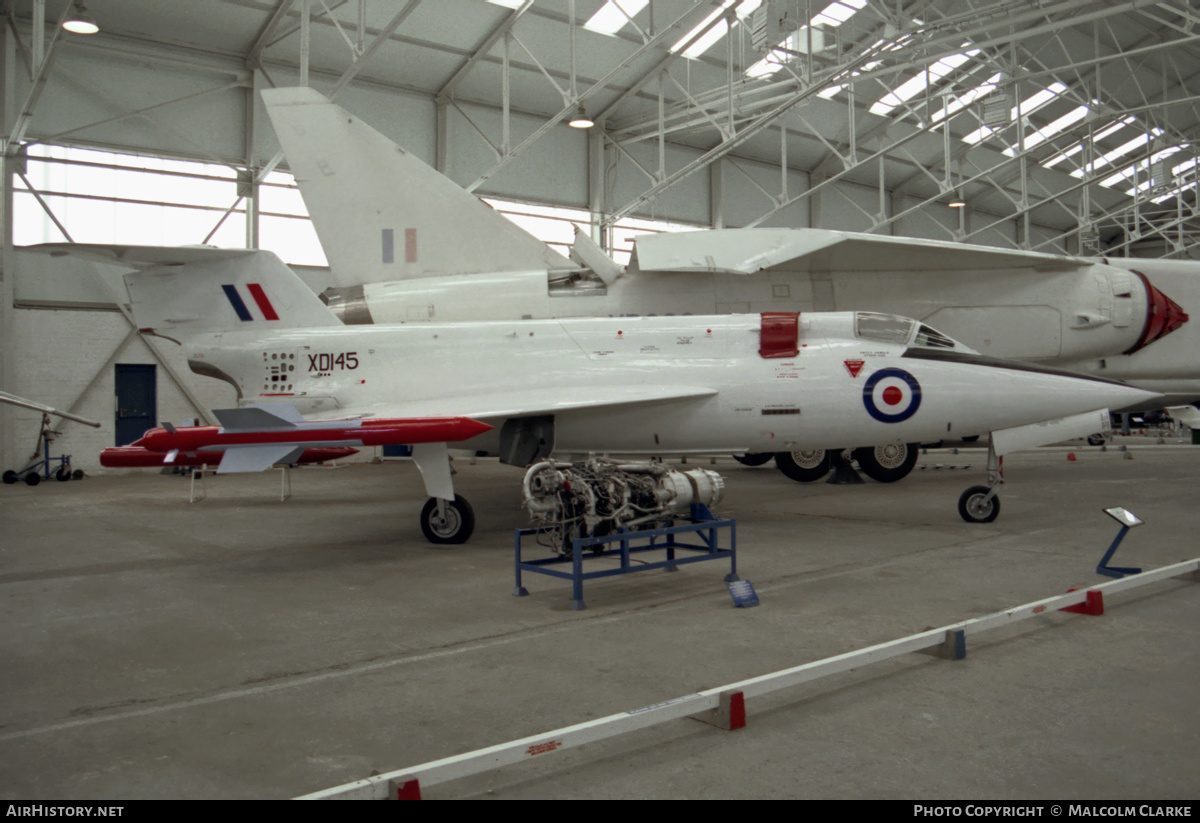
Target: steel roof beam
<point>41,74</point>
<point>268,31</point>
<point>685,21</point>
<point>726,146</point>
<point>447,89</point>
<point>349,74</point>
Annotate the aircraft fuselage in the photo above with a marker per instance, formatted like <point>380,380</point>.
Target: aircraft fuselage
<point>676,385</point>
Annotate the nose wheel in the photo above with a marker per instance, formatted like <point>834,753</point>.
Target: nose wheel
<point>979,504</point>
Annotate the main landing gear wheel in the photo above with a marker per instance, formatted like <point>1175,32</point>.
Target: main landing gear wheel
<point>753,459</point>
<point>889,463</point>
<point>976,506</point>
<point>457,525</point>
<point>804,466</point>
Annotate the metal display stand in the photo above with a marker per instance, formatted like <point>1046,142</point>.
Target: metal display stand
<point>1128,520</point>
<point>706,528</point>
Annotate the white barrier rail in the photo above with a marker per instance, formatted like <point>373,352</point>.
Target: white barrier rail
<point>950,640</point>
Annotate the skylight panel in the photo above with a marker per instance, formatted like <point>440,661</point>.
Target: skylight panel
<point>831,16</point>
<point>1050,129</point>
<point>1187,165</point>
<point>837,13</point>
<point>613,15</point>
<point>1031,104</point>
<point>1027,107</point>
<point>770,64</point>
<point>960,103</point>
<point>786,51</point>
<point>832,91</point>
<point>1176,172</point>
<point>1141,165</point>
<point>1120,151</point>
<point>1100,135</point>
<point>508,4</point>
<point>915,85</point>
<point>717,32</point>
<point>1176,190</point>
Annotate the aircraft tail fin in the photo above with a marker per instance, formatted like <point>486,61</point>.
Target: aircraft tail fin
<point>254,291</point>
<point>381,213</point>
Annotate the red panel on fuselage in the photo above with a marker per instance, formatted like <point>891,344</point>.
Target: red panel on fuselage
<point>780,336</point>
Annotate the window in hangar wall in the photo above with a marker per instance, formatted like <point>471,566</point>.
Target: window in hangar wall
<point>107,197</point>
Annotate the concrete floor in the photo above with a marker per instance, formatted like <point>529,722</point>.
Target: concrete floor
<point>241,647</point>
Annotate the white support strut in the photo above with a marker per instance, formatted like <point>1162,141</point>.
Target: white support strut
<point>516,751</point>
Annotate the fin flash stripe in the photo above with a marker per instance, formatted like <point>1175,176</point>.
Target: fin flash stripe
<point>260,299</point>
<point>235,300</point>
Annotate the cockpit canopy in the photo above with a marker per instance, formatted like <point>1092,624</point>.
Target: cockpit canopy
<point>902,331</point>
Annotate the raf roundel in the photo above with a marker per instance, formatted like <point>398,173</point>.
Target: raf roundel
<point>892,395</point>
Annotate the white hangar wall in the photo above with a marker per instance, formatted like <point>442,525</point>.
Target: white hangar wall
<point>70,363</point>
<point>71,338</point>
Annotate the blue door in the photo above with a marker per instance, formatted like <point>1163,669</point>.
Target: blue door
<point>137,406</point>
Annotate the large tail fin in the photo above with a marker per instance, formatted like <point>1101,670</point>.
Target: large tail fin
<point>381,213</point>
<point>252,291</point>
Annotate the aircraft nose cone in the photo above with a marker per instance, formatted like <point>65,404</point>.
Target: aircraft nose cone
<point>1163,316</point>
<point>1131,397</point>
<point>1019,389</point>
<point>1100,392</point>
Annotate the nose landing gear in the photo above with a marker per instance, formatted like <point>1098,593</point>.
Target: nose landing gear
<point>980,504</point>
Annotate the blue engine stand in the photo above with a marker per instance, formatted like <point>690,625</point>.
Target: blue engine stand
<point>703,525</point>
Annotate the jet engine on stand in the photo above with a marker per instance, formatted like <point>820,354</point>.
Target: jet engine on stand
<point>597,497</point>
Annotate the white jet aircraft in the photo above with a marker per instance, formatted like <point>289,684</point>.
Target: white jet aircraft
<point>771,382</point>
<point>406,244</point>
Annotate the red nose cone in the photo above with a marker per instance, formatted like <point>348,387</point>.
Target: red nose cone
<point>1163,316</point>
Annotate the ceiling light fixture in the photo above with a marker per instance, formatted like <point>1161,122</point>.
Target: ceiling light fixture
<point>79,21</point>
<point>957,202</point>
<point>580,120</point>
